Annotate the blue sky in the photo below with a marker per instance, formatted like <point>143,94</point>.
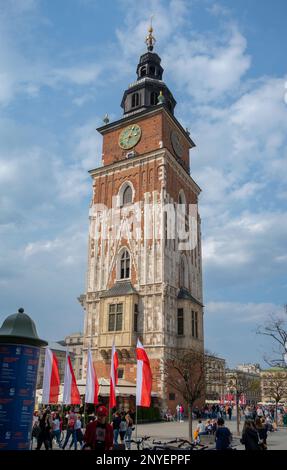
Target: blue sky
<point>63,65</point>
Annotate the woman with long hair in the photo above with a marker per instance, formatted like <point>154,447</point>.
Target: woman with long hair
<point>250,437</point>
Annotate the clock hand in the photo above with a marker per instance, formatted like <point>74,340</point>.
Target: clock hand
<point>131,131</point>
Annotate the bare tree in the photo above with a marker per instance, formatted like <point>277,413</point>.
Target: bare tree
<point>241,384</point>
<point>275,386</point>
<point>276,330</point>
<point>185,372</point>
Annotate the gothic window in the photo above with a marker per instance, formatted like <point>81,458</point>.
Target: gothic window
<point>115,317</point>
<point>127,195</point>
<point>135,100</point>
<point>143,71</point>
<point>125,265</point>
<point>180,322</point>
<point>153,98</point>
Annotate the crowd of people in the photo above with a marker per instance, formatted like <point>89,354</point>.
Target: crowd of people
<point>246,412</point>
<point>258,422</point>
<point>100,432</point>
<point>254,433</point>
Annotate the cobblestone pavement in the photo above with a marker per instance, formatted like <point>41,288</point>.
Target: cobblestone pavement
<point>275,441</point>
<point>170,430</point>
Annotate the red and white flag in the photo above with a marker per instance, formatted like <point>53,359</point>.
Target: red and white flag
<point>144,377</point>
<point>51,380</point>
<point>71,395</point>
<point>92,384</point>
<point>113,376</point>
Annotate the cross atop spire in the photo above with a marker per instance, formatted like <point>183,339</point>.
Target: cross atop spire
<point>150,39</point>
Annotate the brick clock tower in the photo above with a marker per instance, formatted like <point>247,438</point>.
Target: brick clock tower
<point>142,281</point>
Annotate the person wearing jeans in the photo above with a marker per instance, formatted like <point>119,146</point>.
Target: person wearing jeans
<point>56,429</point>
<point>129,431</point>
<point>71,431</point>
<point>116,427</point>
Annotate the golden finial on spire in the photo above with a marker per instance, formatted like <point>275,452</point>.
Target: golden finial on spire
<point>150,39</point>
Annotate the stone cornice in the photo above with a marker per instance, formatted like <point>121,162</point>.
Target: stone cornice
<point>131,117</point>
<point>127,163</point>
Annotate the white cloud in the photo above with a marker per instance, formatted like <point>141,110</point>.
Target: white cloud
<point>87,144</point>
<point>206,67</point>
<point>249,312</point>
<point>85,74</point>
<point>248,239</point>
<point>167,18</point>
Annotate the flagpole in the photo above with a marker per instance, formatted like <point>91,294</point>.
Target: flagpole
<point>136,421</point>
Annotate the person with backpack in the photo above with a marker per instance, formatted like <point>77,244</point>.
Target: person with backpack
<point>99,433</point>
<point>71,431</point>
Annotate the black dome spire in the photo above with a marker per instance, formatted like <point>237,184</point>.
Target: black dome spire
<point>144,93</point>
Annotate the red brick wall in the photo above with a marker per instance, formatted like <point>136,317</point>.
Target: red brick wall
<point>103,370</point>
<point>151,127</point>
<point>155,129</point>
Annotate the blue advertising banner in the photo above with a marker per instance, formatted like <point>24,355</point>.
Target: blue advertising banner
<point>18,376</point>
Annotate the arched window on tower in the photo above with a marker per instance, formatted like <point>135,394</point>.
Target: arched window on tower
<point>143,71</point>
<point>125,265</point>
<point>152,70</point>
<point>127,196</point>
<point>135,100</point>
<point>153,98</point>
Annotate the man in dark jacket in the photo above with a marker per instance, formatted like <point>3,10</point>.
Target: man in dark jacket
<point>223,436</point>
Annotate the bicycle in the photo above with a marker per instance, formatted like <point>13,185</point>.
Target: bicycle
<point>183,444</point>
<point>140,442</point>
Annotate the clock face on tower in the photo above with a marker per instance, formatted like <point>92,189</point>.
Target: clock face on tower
<point>130,136</point>
<point>176,144</point>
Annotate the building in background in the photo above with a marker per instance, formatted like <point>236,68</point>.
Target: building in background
<point>60,352</point>
<point>74,344</point>
<point>215,377</point>
<point>251,368</point>
<point>245,385</point>
<point>143,280</point>
<point>274,385</point>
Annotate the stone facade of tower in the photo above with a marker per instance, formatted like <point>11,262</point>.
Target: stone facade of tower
<point>142,282</point>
